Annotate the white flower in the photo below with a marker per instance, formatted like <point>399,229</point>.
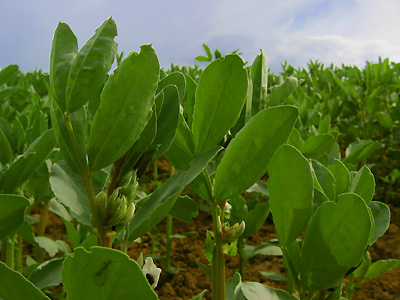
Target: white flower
<point>151,272</point>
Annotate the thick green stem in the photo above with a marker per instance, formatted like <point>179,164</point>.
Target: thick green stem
<point>292,270</point>
<point>18,255</point>
<point>242,259</point>
<point>10,257</point>
<point>44,216</point>
<point>102,234</point>
<point>350,287</point>
<point>169,242</point>
<point>218,261</point>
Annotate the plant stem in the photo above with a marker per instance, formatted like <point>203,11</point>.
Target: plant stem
<point>218,261</point>
<point>102,234</point>
<point>350,287</point>
<point>286,257</point>
<point>18,255</point>
<point>242,260</point>
<point>43,218</point>
<point>10,250</point>
<point>169,242</point>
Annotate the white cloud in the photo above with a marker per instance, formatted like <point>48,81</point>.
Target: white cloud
<point>349,31</point>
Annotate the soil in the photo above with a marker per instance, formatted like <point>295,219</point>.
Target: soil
<point>191,280</point>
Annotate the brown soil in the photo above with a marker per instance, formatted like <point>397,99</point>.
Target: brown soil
<point>191,280</point>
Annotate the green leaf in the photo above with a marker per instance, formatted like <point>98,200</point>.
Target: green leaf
<point>230,286</point>
<point>63,52</point>
<point>324,125</point>
<point>317,145</point>
<point>290,186</point>
<point>279,93</point>
<point>184,209</point>
<point>208,51</point>
<point>258,291</point>
<point>6,152</point>
<point>78,121</point>
<point>191,87</point>
<point>125,108</point>
<point>90,66</point>
<point>325,179</point>
<point>259,78</point>
<point>267,249</point>
<point>14,286</point>
<point>142,144</point>
<point>71,192</point>
<point>199,296</point>
<point>384,119</point>
<point>341,175</point>
<point>104,274</point>
<point>73,234</point>
<point>27,164</point>
<point>274,276</point>
<point>363,184</point>
<point>255,219</point>
<point>47,274</point>
<point>157,206</point>
<point>7,73</point>
<point>382,266</point>
<point>12,212</point>
<point>336,240</point>
<point>381,215</point>
<point>177,79</point>
<point>47,244</point>
<point>220,96</point>
<point>356,152</point>
<point>181,150</point>
<point>167,120</point>
<point>248,155</point>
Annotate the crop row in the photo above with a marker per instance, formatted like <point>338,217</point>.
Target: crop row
<point>78,141</point>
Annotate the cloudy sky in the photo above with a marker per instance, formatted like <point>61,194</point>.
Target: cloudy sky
<point>332,31</point>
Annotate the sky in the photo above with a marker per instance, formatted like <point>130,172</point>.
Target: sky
<point>297,31</point>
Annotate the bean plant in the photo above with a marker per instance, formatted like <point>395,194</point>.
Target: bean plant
<point>85,141</point>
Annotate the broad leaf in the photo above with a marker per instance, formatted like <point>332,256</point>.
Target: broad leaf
<point>167,120</point>
<point>326,181</point>
<point>6,152</point>
<point>317,145</point>
<point>14,286</point>
<point>71,192</point>
<point>336,240</point>
<point>90,66</point>
<point>381,215</point>
<point>25,166</point>
<point>185,208</point>
<point>104,274</point>
<point>342,176</point>
<point>290,186</point>
<point>157,206</point>
<point>63,52</point>
<point>12,212</point>
<point>279,93</point>
<point>76,161</point>
<point>47,274</point>
<point>125,108</point>
<point>248,155</point>
<point>258,291</point>
<point>382,266</point>
<point>363,184</point>
<point>220,96</point>
<point>177,79</point>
